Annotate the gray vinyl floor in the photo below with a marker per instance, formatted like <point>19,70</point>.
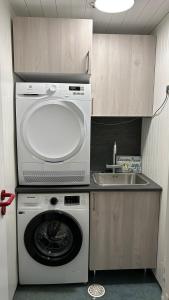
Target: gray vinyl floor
<point>119,285</point>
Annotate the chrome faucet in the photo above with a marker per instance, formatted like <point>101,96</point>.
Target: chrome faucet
<point>114,166</point>
<point>114,152</point>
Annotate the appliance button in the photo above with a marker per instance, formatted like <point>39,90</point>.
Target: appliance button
<point>53,201</point>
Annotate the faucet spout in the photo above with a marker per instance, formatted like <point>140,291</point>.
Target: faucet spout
<point>114,166</point>
<point>114,153</point>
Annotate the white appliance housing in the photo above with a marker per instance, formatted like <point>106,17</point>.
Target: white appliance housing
<point>53,133</point>
<point>50,228</point>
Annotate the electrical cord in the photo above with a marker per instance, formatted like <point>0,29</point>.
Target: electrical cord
<point>162,106</point>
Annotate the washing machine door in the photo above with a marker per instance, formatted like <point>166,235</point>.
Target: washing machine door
<point>53,238</point>
<point>53,130</point>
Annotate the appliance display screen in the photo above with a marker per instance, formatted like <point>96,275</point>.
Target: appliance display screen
<point>74,88</point>
<point>72,200</point>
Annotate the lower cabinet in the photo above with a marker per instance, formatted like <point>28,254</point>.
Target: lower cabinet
<point>123,230</point>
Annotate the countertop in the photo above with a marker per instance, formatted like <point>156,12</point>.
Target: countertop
<point>151,186</point>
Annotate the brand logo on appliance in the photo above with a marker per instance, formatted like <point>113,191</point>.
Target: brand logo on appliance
<point>78,93</point>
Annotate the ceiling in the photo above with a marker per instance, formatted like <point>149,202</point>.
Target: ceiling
<point>141,19</point>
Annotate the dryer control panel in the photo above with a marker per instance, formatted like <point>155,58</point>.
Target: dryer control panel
<point>72,91</point>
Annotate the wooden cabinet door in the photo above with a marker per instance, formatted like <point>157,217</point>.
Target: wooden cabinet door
<point>123,230</point>
<point>48,45</point>
<point>123,75</point>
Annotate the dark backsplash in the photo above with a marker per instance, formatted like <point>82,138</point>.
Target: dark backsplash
<point>105,131</point>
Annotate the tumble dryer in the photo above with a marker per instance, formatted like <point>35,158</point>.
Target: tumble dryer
<point>53,133</point>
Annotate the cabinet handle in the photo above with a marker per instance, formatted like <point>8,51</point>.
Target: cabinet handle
<point>92,105</point>
<point>94,203</point>
<point>88,63</point>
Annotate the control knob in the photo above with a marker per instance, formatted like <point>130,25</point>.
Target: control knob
<point>53,201</point>
<point>52,89</point>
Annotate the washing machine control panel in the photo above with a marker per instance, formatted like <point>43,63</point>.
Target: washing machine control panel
<point>72,200</point>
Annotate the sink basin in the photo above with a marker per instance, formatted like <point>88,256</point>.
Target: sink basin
<point>104,179</point>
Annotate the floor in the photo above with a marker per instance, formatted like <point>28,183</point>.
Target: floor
<point>119,285</point>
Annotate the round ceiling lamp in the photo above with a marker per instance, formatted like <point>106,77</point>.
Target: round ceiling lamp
<point>113,6</point>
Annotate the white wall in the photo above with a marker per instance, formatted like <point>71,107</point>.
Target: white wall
<point>3,237</point>
<point>6,87</point>
<point>155,138</point>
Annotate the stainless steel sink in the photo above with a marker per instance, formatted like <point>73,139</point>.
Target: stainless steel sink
<point>105,179</point>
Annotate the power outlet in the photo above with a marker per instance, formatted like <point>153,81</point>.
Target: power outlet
<point>165,297</point>
<point>163,272</point>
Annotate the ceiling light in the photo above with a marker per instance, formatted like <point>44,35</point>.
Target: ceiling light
<point>113,6</point>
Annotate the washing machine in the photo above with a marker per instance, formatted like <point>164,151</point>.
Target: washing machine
<point>53,238</point>
<point>53,133</point>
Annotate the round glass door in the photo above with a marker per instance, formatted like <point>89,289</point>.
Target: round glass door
<point>53,238</point>
<point>53,131</point>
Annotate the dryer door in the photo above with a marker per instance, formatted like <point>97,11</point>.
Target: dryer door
<point>53,238</point>
<point>53,131</point>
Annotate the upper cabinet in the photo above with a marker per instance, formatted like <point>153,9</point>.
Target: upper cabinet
<point>123,75</point>
<point>52,46</point>
<point>61,50</point>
